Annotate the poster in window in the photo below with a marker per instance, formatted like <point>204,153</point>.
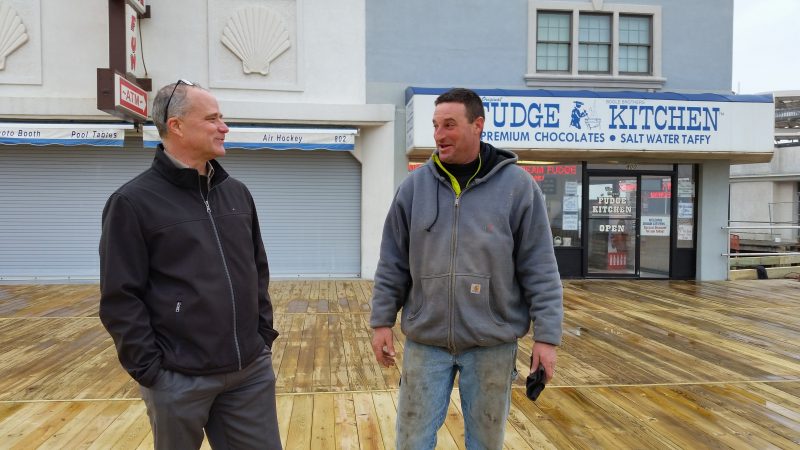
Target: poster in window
<point>685,187</point>
<point>655,225</point>
<point>685,231</point>
<point>685,210</point>
<point>571,188</point>
<point>569,222</point>
<point>570,204</point>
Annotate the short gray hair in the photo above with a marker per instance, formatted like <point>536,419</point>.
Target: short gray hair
<point>177,105</point>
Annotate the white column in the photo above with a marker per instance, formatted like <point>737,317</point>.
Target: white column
<point>712,240</point>
<point>377,191</point>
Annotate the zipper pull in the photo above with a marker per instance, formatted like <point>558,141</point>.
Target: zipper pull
<point>457,200</point>
<point>178,306</point>
<point>208,207</point>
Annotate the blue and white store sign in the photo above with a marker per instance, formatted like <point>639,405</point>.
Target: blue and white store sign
<point>257,138</point>
<point>103,135</point>
<point>671,122</point>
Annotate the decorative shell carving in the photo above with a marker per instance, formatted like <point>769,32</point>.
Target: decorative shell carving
<point>12,33</point>
<point>257,35</point>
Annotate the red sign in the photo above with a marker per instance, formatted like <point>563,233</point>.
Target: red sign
<point>131,37</point>
<point>139,5</point>
<point>538,172</point>
<point>129,98</point>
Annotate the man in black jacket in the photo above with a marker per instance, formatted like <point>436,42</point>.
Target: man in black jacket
<point>183,280</point>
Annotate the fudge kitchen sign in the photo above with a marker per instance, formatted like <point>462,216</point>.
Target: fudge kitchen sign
<point>611,120</point>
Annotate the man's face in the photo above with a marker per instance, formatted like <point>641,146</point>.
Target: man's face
<point>457,139</point>
<point>202,128</point>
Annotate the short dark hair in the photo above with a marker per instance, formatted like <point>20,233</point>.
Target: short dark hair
<point>471,101</point>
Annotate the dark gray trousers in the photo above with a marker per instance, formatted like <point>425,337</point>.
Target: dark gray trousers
<point>237,410</point>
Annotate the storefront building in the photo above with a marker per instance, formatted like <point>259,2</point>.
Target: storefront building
<point>319,134</point>
<point>621,111</point>
<point>303,139</point>
<point>619,170</point>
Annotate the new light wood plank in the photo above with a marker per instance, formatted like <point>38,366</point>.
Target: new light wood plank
<point>386,415</point>
<point>644,364</point>
<point>119,429</point>
<point>300,425</point>
<point>46,420</point>
<point>283,407</point>
<point>453,424</point>
<point>369,432</point>
<point>81,432</point>
<point>323,434</point>
<point>345,422</point>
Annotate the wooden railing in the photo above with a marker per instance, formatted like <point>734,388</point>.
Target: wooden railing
<point>745,266</point>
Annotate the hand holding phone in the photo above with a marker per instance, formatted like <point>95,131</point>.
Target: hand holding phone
<point>535,383</point>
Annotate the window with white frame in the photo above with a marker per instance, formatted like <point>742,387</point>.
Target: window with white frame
<point>594,48</point>
<point>591,44</point>
<point>553,41</point>
<point>634,44</point>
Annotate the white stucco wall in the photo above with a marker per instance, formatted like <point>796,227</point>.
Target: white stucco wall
<point>712,239</point>
<point>320,80</point>
<point>176,44</point>
<point>750,206</point>
<point>377,190</point>
<point>762,203</point>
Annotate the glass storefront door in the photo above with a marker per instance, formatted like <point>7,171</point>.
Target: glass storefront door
<point>654,241</point>
<point>629,225</point>
<point>612,225</point>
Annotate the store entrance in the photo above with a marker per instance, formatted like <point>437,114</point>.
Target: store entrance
<point>629,225</point>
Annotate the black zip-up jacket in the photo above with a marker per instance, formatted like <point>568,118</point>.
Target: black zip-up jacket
<point>184,274</point>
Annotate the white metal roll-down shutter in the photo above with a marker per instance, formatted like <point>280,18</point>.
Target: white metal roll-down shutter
<point>309,208</point>
<point>51,201</point>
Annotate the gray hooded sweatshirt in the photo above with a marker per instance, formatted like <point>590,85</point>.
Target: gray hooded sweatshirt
<point>472,270</point>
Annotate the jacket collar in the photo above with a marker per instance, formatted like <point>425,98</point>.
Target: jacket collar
<point>495,158</point>
<point>187,178</point>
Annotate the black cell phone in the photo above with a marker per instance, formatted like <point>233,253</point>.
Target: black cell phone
<point>534,384</point>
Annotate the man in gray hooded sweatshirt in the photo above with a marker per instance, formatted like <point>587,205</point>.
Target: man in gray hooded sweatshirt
<point>467,254</point>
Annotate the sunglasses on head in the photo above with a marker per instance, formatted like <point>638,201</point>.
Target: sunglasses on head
<point>166,108</point>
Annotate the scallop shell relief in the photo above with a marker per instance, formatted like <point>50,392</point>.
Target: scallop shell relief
<point>12,33</point>
<point>257,35</point>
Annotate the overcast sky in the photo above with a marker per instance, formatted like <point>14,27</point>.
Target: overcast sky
<point>766,46</point>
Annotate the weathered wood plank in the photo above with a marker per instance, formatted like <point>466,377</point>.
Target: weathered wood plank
<point>644,364</point>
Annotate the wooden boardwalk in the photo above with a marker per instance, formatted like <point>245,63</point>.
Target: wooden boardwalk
<point>644,364</point>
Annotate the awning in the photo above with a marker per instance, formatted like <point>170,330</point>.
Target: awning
<point>273,138</point>
<point>103,135</point>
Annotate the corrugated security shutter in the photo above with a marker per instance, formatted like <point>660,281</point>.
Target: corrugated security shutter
<point>309,208</point>
<point>51,200</point>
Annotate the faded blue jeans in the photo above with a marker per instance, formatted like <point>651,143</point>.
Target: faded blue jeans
<point>484,381</point>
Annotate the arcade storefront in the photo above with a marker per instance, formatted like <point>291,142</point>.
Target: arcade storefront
<point>621,171</point>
